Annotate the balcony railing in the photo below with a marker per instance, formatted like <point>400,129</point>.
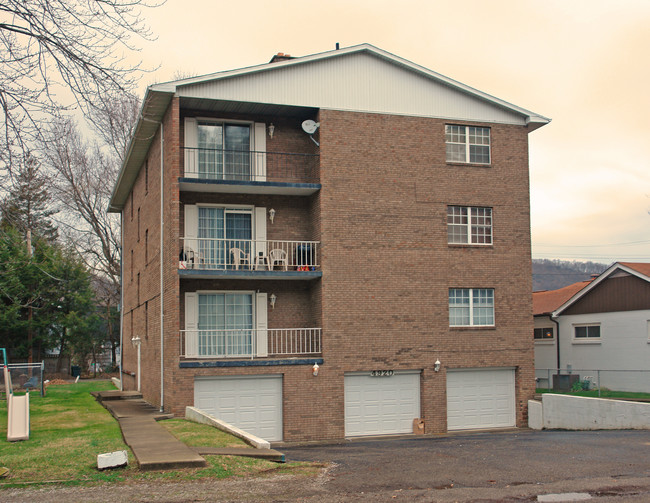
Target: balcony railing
<point>247,254</point>
<point>250,166</point>
<point>250,343</point>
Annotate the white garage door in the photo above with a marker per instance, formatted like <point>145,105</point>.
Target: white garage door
<point>480,399</point>
<point>381,405</point>
<point>253,403</point>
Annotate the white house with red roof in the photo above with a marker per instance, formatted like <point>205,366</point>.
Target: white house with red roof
<point>598,329</point>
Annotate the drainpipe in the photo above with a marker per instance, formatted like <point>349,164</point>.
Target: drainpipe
<point>121,298</point>
<point>162,293</point>
<point>162,285</point>
<point>557,340</point>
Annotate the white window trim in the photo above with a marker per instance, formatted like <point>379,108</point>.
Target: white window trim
<point>469,225</point>
<point>585,340</point>
<point>471,309</point>
<point>467,145</point>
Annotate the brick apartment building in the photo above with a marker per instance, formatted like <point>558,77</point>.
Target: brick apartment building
<point>342,245</point>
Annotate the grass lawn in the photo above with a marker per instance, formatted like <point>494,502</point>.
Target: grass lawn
<point>69,429</point>
<point>604,393</point>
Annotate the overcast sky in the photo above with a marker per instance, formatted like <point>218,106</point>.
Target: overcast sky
<point>583,63</point>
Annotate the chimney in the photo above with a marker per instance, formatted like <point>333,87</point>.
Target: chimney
<point>280,56</point>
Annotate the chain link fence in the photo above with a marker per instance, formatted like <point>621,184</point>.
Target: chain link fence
<point>570,379</point>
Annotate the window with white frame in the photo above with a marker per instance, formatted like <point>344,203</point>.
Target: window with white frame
<point>469,144</point>
<point>543,334</point>
<point>225,324</point>
<point>471,307</point>
<point>469,225</point>
<point>586,332</point>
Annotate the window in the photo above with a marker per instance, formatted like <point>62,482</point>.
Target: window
<point>146,177</point>
<point>468,144</point>
<point>138,225</point>
<point>146,247</point>
<point>224,151</point>
<point>586,332</point>
<point>220,230</point>
<point>471,307</point>
<point>467,225</point>
<point>225,324</point>
<point>543,334</point>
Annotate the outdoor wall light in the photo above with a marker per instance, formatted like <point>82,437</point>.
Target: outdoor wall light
<point>314,369</point>
<point>271,130</point>
<point>436,366</point>
<point>271,214</point>
<point>272,300</point>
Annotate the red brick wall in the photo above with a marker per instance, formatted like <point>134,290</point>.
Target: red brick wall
<point>387,267</point>
<point>383,299</point>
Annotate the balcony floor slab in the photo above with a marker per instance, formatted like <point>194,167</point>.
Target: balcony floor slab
<point>249,274</point>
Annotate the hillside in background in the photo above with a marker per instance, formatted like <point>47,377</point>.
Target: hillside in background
<point>554,274</point>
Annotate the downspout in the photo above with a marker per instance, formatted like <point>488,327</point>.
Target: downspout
<point>557,339</point>
<point>162,285</point>
<point>121,297</point>
<point>162,293</point>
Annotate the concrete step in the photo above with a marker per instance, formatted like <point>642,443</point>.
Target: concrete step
<point>269,454</point>
<point>116,394</point>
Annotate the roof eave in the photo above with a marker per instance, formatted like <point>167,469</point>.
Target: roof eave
<point>578,295</point>
<point>153,108</point>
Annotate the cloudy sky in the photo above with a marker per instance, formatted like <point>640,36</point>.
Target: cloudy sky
<point>583,63</point>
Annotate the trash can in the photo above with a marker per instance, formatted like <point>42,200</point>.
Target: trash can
<point>75,371</point>
<point>304,255</point>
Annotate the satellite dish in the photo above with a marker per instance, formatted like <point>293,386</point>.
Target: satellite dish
<point>309,126</point>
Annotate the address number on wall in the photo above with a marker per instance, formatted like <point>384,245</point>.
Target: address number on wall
<point>381,373</point>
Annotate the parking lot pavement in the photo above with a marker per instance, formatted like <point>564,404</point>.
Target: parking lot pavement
<point>537,461</point>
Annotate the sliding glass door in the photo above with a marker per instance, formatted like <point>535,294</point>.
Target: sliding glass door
<point>225,324</point>
<point>224,151</point>
<point>223,232</point>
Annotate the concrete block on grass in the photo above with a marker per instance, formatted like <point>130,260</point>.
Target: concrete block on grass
<point>112,460</point>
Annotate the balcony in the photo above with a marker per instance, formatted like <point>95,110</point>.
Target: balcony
<point>249,172</point>
<point>249,259</point>
<point>250,343</point>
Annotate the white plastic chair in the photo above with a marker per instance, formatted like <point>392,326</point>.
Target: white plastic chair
<point>278,256</point>
<point>239,257</point>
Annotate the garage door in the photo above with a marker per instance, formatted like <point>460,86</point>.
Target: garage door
<point>253,403</point>
<point>480,399</point>
<point>381,405</point>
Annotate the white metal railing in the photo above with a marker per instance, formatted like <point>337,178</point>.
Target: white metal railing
<point>247,254</point>
<point>249,343</point>
<point>250,166</point>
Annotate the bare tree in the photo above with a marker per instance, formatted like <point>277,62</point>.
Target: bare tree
<point>58,54</point>
<point>82,187</point>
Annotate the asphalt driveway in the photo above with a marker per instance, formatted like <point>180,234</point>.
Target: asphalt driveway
<point>492,466</point>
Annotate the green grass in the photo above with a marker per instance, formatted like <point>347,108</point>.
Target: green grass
<point>69,429</point>
<point>604,393</point>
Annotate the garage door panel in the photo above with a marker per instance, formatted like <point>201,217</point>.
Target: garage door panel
<point>253,404</point>
<point>480,399</point>
<point>381,405</point>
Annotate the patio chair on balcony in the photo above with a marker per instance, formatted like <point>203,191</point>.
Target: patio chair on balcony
<point>239,258</point>
<point>278,256</point>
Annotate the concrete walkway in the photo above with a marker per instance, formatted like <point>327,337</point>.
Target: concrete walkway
<point>153,446</point>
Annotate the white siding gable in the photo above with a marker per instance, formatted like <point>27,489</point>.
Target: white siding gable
<point>360,82</point>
